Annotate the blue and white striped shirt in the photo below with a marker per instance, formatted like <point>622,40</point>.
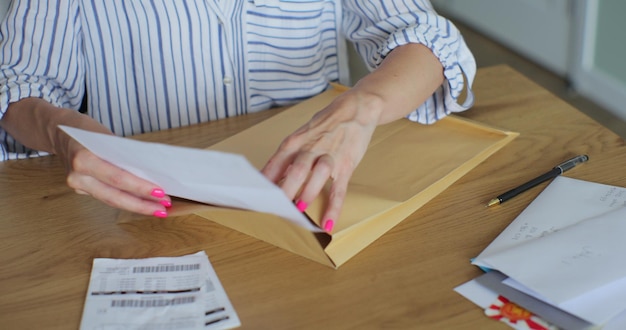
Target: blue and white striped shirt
<point>154,64</point>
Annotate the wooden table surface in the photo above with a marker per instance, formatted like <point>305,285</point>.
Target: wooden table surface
<point>49,235</point>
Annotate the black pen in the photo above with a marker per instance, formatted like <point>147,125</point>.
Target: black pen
<point>556,171</point>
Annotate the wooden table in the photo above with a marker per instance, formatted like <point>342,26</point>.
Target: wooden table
<point>49,235</point>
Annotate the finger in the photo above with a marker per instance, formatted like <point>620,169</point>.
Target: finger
<point>297,174</point>
<point>276,167</point>
<point>284,156</point>
<point>87,164</point>
<point>336,197</point>
<point>86,177</point>
<point>115,197</point>
<point>317,180</point>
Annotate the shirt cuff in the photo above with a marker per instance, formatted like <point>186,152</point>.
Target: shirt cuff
<point>459,67</point>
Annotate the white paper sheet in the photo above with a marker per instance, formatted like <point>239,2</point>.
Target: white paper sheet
<point>477,293</point>
<point>157,293</point>
<point>205,176</point>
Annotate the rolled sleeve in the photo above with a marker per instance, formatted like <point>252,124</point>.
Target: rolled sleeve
<point>40,56</point>
<point>15,88</point>
<point>376,30</point>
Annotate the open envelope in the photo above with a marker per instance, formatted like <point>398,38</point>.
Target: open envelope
<point>406,165</point>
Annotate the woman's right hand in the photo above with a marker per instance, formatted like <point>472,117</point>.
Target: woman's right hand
<point>34,122</point>
<point>90,175</point>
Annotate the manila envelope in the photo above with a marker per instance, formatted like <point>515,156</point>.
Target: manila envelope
<point>406,165</point>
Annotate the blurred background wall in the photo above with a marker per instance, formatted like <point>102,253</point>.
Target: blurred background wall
<point>581,42</point>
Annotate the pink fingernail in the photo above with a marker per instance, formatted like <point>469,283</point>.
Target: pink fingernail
<point>158,193</point>
<point>301,206</point>
<point>165,203</point>
<point>328,225</point>
<point>160,214</point>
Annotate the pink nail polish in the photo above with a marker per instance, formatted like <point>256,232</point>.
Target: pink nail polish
<point>328,225</point>
<point>160,214</point>
<point>166,203</point>
<point>301,206</point>
<point>158,193</point>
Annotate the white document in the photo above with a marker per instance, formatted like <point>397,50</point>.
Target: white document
<point>570,262</point>
<point>565,249</point>
<point>477,293</point>
<point>205,176</point>
<point>157,293</point>
<point>564,202</point>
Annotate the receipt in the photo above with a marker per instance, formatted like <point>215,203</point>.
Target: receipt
<point>157,293</point>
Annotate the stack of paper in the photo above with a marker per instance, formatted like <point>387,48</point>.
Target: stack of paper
<point>561,258</point>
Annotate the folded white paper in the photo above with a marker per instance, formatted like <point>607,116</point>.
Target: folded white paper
<point>564,202</point>
<point>205,176</point>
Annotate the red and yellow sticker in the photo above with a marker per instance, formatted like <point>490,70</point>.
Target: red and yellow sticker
<point>517,317</point>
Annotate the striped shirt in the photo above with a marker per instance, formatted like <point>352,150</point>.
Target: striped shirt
<point>148,65</point>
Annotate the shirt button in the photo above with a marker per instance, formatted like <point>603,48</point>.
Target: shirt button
<point>227,80</point>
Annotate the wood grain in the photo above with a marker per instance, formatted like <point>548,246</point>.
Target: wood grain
<point>49,235</point>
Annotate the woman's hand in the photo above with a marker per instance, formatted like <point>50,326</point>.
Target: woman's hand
<point>34,122</point>
<point>333,142</point>
<point>90,175</point>
<point>329,146</point>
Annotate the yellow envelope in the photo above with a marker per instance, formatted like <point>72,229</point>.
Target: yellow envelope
<point>406,165</point>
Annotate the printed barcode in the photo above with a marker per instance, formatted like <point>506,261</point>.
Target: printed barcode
<point>152,302</point>
<point>165,268</point>
<point>108,293</point>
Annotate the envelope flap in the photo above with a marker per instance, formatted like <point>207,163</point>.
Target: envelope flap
<point>274,230</point>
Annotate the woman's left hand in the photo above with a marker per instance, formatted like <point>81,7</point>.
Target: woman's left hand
<point>333,142</point>
<point>329,146</point>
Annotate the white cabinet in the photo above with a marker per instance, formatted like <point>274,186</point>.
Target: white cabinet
<point>580,40</point>
<point>599,70</point>
<point>537,29</point>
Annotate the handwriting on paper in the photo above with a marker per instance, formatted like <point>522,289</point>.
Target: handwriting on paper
<point>614,197</point>
<point>527,231</point>
<point>585,253</point>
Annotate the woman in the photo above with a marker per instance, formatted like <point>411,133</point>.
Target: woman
<point>151,65</point>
